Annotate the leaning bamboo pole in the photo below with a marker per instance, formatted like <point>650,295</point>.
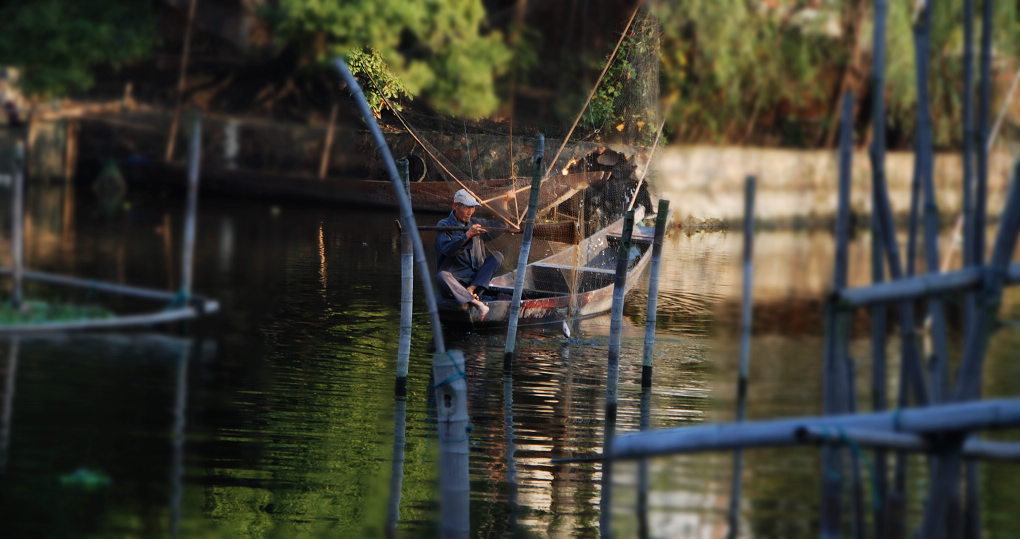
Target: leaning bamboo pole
<point>406,214</point>
<point>522,259</point>
<point>743,374</point>
<point>613,371</point>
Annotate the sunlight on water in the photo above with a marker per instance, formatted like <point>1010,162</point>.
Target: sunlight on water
<point>283,421</point>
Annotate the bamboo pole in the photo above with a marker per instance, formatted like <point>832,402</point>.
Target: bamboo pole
<point>203,304</point>
<point>743,374</point>
<point>406,291</point>
<point>407,216</point>
<point>837,394</point>
<point>191,209</point>
<point>647,360</point>
<point>972,508</point>
<point>453,420</point>
<point>397,467</point>
<point>327,145</point>
<point>522,260</point>
<point>160,317</point>
<point>981,149</point>
<point>181,82</point>
<point>927,420</point>
<point>968,384</point>
<point>867,438</point>
<point>653,293</point>
<point>613,371</point>
<point>911,366</point>
<point>17,224</point>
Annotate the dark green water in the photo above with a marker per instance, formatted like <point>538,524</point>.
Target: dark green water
<point>276,417</point>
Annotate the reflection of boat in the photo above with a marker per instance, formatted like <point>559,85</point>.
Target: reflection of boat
<point>589,268</point>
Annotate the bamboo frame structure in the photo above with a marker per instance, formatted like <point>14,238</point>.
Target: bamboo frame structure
<point>182,305</point>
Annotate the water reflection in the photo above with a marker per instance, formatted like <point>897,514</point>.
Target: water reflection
<point>291,424</point>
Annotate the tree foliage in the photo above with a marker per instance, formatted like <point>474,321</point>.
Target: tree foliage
<point>437,49</point>
<point>57,44</point>
<point>770,72</point>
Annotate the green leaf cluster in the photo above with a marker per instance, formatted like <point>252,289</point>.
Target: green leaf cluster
<point>437,49</point>
<point>57,44</point>
<point>34,312</point>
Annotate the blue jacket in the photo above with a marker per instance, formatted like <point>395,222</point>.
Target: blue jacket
<point>456,253</point>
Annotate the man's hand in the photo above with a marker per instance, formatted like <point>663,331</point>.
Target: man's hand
<point>475,230</point>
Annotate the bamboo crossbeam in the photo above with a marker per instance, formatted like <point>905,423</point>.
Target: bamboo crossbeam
<point>206,305</point>
<point>941,418</point>
<point>918,287</point>
<point>171,315</point>
<point>865,438</point>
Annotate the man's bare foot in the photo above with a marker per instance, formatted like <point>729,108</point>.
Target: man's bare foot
<point>483,309</point>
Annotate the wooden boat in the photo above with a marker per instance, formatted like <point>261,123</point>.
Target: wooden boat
<point>548,282</point>
<point>505,195</point>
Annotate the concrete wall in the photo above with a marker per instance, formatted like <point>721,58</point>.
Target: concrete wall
<point>707,182</point>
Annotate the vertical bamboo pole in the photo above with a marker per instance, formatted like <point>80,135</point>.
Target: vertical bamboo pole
<point>327,145</point>
<point>984,105</point>
<point>397,468</point>
<point>8,403</point>
<point>522,260</point>
<point>969,251</point>
<point>925,165</point>
<point>406,290</point>
<point>647,359</point>
<point>972,505</point>
<point>915,195</point>
<point>613,372</point>
<point>406,214</point>
<point>191,211</point>
<point>836,394</point>
<point>882,207</point>
<point>743,374</point>
<point>17,224</point>
<point>182,79</point>
<point>653,293</point>
<point>451,406</point>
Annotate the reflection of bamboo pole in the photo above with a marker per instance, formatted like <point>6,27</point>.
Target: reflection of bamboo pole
<point>453,421</point>
<point>328,144</point>
<point>181,82</point>
<point>180,406</point>
<point>613,371</point>
<point>745,352</point>
<point>8,403</point>
<point>397,468</point>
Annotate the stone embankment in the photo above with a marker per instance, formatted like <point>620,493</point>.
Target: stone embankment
<point>705,184</point>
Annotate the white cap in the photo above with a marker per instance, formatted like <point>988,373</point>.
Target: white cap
<point>465,198</point>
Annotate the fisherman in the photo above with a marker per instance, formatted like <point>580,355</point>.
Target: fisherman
<point>463,267</point>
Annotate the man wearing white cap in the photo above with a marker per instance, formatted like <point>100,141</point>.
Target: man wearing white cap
<point>460,254</point>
